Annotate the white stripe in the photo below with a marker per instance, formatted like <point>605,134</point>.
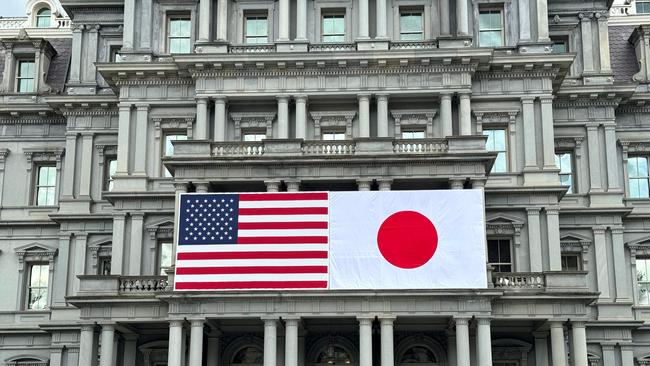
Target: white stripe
<point>283,232</point>
<point>251,248</point>
<point>279,204</point>
<point>252,277</point>
<point>251,262</point>
<point>283,218</point>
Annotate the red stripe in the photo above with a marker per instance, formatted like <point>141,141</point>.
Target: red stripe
<point>282,240</point>
<point>283,196</point>
<point>284,211</point>
<point>243,285</point>
<point>252,255</point>
<point>249,270</point>
<point>282,225</point>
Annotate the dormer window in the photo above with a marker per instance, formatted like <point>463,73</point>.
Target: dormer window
<point>25,76</point>
<point>44,18</point>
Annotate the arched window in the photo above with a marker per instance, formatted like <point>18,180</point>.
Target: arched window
<point>27,361</point>
<point>334,355</point>
<point>419,354</point>
<point>249,355</point>
<point>43,18</point>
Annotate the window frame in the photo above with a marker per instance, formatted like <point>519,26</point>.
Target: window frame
<point>496,265</point>
<point>485,8</point>
<point>38,16</point>
<point>630,178</point>
<point>178,15</point>
<point>505,152</point>
<point>108,179</point>
<point>166,133</point>
<point>576,255</point>
<point>639,282</point>
<point>18,78</point>
<point>332,13</point>
<point>335,133</point>
<point>561,39</point>
<point>36,184</point>
<point>572,174</point>
<point>29,287</point>
<point>159,245</point>
<point>257,15</point>
<point>404,131</point>
<point>259,136</point>
<point>412,10</point>
<point>636,7</point>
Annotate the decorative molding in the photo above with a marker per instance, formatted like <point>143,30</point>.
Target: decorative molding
<point>414,118</point>
<point>502,225</point>
<point>333,120</point>
<point>35,252</point>
<point>253,120</point>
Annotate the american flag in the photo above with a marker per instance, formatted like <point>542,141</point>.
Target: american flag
<point>252,241</point>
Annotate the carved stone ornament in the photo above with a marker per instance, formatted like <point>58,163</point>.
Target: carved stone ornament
<point>333,120</point>
<point>410,118</point>
<point>253,121</point>
<point>35,252</point>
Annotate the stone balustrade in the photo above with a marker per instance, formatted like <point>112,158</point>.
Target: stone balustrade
<point>416,146</point>
<point>328,147</point>
<point>140,284</point>
<point>237,148</point>
<point>252,48</point>
<point>332,47</point>
<point>519,280</point>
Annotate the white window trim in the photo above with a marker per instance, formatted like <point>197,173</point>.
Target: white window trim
<point>36,157</point>
<point>249,7</point>
<point>512,251</point>
<point>161,127</point>
<point>166,9</point>
<point>18,76</point>
<point>332,13</point>
<point>332,6</point>
<point>181,16</point>
<point>423,20</point>
<point>509,32</point>
<point>247,121</point>
<point>333,120</point>
<point>428,26</point>
<point>28,254</point>
<point>507,150</point>
<point>158,232</point>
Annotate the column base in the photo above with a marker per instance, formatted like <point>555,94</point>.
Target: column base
<point>372,44</point>
<point>454,41</point>
<point>292,46</point>
<point>211,47</point>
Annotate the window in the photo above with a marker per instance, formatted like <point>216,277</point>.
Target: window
<point>46,186</point>
<point>44,18</point>
<point>114,53</point>
<point>642,7</point>
<point>179,34</point>
<point>564,162</point>
<point>256,29</point>
<point>25,76</point>
<point>333,135</point>
<point>111,168</point>
<point>560,44</point>
<point>490,28</point>
<point>571,261</point>
<point>37,286</point>
<point>253,136</point>
<point>334,27</point>
<point>413,134</point>
<point>104,265</point>
<point>169,147</point>
<point>410,26</point>
<point>164,256</point>
<point>499,255</point>
<point>643,280</point>
<point>497,142</point>
<point>637,171</point>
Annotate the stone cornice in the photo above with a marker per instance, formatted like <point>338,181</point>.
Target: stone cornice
<point>33,120</point>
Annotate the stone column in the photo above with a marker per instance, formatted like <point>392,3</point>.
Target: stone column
<point>462,341</point>
<point>284,21</point>
<point>56,357</point>
<point>363,184</point>
<point>478,183</point>
<point>75,55</point>
<point>443,12</point>
<point>293,185</point>
<point>272,185</point>
<point>123,139</point>
<point>363,19</point>
<point>283,117</point>
<point>387,348</point>
<point>587,48</point>
<point>201,130</point>
<point>222,20</point>
<point>301,20</point>
<point>178,189</point>
<point>80,242</point>
<point>202,187</point>
<point>130,349</point>
<point>579,351</point>
<point>270,341</point>
<point>382,110</point>
<point>553,236</point>
<point>86,164</point>
<point>609,354</point>
<point>524,21</point>
<point>462,18</point>
<point>627,355</point>
<point>70,157</point>
<point>484,342</point>
<point>456,183</point>
<point>142,119</point>
<point>465,113</point>
<point>380,18</point>
<point>620,269</point>
<point>612,157</point>
<point>196,342</point>
<point>541,348</point>
<point>205,15</point>
<point>548,135</point>
<point>445,115</point>
<point>557,343</point>
<point>602,265</point>
<point>89,74</point>
<point>108,339</point>
<point>364,112</point>
<point>220,118</point>
<point>175,350</point>
<point>385,184</point>
<point>291,342</point>
<point>128,34</point>
<point>534,239</point>
<point>117,248</point>
<point>603,41</point>
<point>530,143</point>
<point>86,344</point>
<point>593,142</point>
<point>301,114</point>
<point>365,341</point>
<point>542,21</point>
<point>135,247</point>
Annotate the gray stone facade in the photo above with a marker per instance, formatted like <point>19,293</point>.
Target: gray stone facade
<point>101,127</point>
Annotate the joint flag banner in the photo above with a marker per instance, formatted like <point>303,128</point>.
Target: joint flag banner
<point>331,240</point>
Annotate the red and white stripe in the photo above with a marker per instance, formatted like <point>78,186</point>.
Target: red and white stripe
<point>282,244</point>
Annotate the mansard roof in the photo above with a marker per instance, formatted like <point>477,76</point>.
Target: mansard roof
<point>623,58</point>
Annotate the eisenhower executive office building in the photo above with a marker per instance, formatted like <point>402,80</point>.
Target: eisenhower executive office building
<point>110,108</point>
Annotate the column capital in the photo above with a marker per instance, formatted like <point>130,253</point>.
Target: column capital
<point>552,210</point>
<point>272,185</point>
<point>466,95</point>
<point>301,98</point>
<point>363,96</point>
<point>527,99</point>
<point>385,184</point>
<point>483,321</point>
<point>540,334</point>
<point>461,320</point>
<point>533,210</point>
<point>478,182</point>
<point>282,98</point>
<point>195,323</point>
<point>546,98</point>
<point>202,187</point>
<point>609,126</point>
<point>554,323</point>
<point>592,127</point>
<point>176,323</point>
<point>142,107</point>
<point>363,184</point>
<point>108,327</point>
<point>293,185</point>
<point>617,229</point>
<point>124,106</point>
<point>599,230</point>
<point>270,320</point>
<point>387,319</point>
<point>578,324</point>
<point>456,183</point>
<point>138,215</point>
<point>220,98</point>
<point>446,95</point>
<point>180,187</point>
<point>382,96</point>
<point>365,320</point>
<point>202,100</point>
<point>87,327</point>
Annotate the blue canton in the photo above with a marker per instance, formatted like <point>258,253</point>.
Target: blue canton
<point>208,219</point>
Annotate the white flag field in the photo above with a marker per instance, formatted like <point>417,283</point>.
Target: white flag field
<point>331,240</point>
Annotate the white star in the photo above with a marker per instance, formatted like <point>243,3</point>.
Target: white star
<point>222,200</point>
<point>205,201</point>
<point>230,237</point>
<point>186,238</point>
<point>221,237</point>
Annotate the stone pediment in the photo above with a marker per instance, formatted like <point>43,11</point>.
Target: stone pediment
<point>571,242</point>
<point>35,248</point>
<point>164,228</point>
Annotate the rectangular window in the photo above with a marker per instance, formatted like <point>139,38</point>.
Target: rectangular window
<point>642,7</point>
<point>410,26</point>
<point>499,255</point>
<point>169,147</point>
<point>643,280</point>
<point>571,261</point>
<point>560,44</point>
<point>39,274</point>
<point>637,172</point>
<point>253,137</point>
<point>179,34</point>
<point>333,27</point>
<point>110,165</point>
<point>564,161</point>
<point>113,53</point>
<point>413,134</point>
<point>256,29</point>
<point>25,76</point>
<point>104,266</point>
<point>333,135</point>
<point>164,256</point>
<point>497,142</point>
<point>490,24</point>
<point>46,186</point>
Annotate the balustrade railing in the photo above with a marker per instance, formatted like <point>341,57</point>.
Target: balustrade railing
<point>244,148</point>
<point>413,45</point>
<point>332,47</point>
<point>328,147</point>
<point>519,280</point>
<point>142,284</point>
<point>423,146</point>
<point>252,48</point>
